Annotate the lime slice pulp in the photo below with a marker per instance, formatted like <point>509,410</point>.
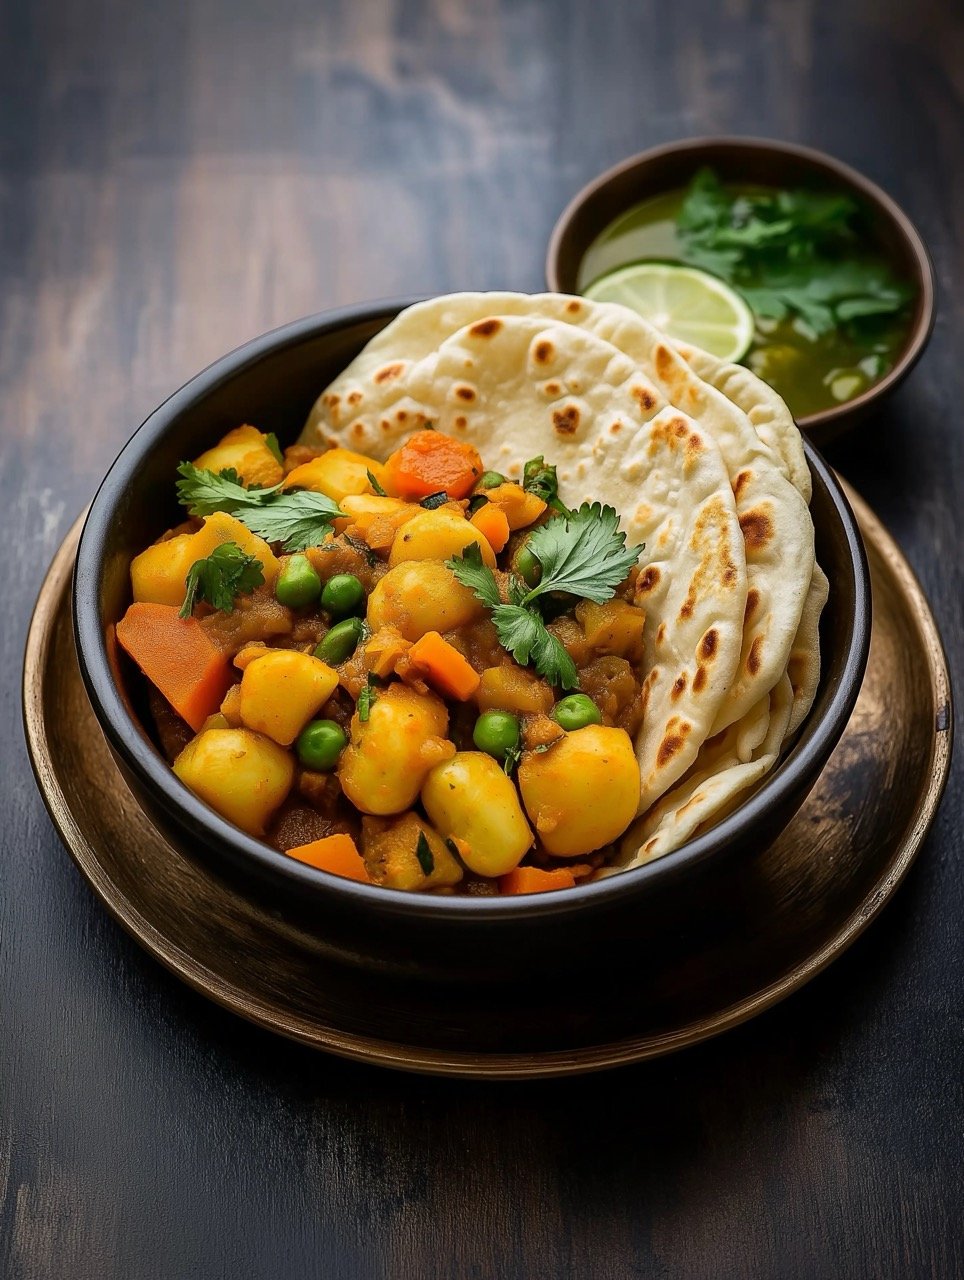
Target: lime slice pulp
<point>686,304</point>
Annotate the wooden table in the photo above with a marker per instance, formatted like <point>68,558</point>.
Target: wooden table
<point>177,178</point>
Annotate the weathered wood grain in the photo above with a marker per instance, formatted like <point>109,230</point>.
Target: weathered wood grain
<point>175,179</point>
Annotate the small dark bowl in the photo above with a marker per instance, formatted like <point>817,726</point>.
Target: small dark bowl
<point>273,381</point>
<point>670,167</point>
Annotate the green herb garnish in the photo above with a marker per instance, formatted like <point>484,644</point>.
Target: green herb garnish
<point>373,481</point>
<point>297,518</point>
<point>476,502</point>
<point>227,572</point>
<point>433,500</point>
<point>512,757</point>
<point>426,859</point>
<point>540,478</point>
<point>366,699</point>
<point>790,253</point>
<point>582,554</point>
<point>271,440</point>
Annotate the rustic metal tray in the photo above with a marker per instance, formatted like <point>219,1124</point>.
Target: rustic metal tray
<point>827,876</point>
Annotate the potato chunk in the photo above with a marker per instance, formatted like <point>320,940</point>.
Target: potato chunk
<point>337,473</point>
<point>519,507</point>
<point>510,687</point>
<point>470,799</point>
<point>390,847</point>
<point>389,754</point>
<point>614,627</point>
<point>282,691</point>
<point>157,574</point>
<point>583,792</point>
<point>377,519</point>
<point>241,774</point>
<point>420,596</point>
<point>437,535</point>
<point>246,450</point>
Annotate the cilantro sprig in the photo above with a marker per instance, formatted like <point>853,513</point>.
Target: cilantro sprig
<point>583,553</point>
<point>539,477</point>
<point>297,518</point>
<point>222,576</point>
<point>789,253</point>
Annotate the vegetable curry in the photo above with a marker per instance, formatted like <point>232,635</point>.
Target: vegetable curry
<point>417,673</point>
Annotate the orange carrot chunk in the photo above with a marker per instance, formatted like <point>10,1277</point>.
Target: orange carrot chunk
<point>430,462</point>
<point>535,880</point>
<point>336,854</point>
<point>493,524</point>
<point>444,667</point>
<point>177,655</point>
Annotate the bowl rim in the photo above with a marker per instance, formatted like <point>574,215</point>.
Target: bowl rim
<point>131,744</point>
<point>923,324</point>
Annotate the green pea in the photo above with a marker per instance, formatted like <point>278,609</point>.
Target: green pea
<point>576,711</point>
<point>342,594</point>
<point>496,732</point>
<point>527,565</point>
<point>319,744</point>
<point>297,584</point>
<point>340,642</point>
<point>491,480</point>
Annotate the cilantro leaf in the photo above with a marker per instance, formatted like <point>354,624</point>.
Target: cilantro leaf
<point>227,572</point>
<point>298,518</point>
<point>376,486</point>
<point>366,698</point>
<point>523,633</point>
<point>433,500</point>
<point>540,478</point>
<point>478,577</point>
<point>511,759</point>
<point>204,492</point>
<point>584,554</point>
<point>271,440</point>
<point>426,859</point>
<point>790,253</point>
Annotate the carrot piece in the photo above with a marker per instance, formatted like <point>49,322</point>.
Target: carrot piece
<point>443,665</point>
<point>177,655</point>
<point>429,462</point>
<point>535,880</point>
<point>336,854</point>
<point>493,524</point>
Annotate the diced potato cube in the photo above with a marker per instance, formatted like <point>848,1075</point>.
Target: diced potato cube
<point>418,596</point>
<point>438,535</point>
<point>513,688</point>
<point>615,627</point>
<point>519,507</point>
<point>282,691</point>
<point>390,848</point>
<point>470,799</point>
<point>246,450</point>
<point>583,792</point>
<point>389,754</point>
<point>337,473</point>
<point>241,774</point>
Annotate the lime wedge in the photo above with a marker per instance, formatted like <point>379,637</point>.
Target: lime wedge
<point>686,304</point>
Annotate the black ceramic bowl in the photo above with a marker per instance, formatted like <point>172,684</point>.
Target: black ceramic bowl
<point>273,381</point>
<point>669,167</point>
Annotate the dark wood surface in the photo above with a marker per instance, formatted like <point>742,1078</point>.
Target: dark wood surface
<point>177,178</point>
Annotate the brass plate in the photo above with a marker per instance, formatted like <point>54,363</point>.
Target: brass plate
<point>814,891</point>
